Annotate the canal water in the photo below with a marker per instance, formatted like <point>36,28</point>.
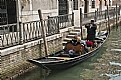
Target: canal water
<point>106,65</point>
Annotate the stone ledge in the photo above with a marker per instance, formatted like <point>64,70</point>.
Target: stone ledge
<point>26,45</point>
<point>19,47</point>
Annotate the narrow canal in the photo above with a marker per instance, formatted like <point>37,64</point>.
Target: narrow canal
<point>106,65</point>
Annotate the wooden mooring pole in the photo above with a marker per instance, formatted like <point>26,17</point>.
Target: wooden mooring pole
<point>43,32</point>
<point>108,18</point>
<point>81,23</point>
<point>116,16</point>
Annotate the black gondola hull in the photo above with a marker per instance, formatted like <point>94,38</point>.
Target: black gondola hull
<point>64,64</point>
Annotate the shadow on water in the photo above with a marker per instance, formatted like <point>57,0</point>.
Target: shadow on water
<point>71,73</point>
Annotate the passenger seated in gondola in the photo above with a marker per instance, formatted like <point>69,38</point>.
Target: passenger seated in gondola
<point>73,50</point>
<point>85,48</point>
<point>83,44</point>
<point>75,47</point>
<point>75,41</point>
<point>90,43</point>
<point>71,53</point>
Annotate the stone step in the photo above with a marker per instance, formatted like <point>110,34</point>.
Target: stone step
<point>76,27</point>
<point>74,33</point>
<point>70,36</point>
<point>67,39</point>
<point>64,43</point>
<point>77,30</point>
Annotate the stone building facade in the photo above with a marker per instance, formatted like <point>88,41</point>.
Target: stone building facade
<point>28,9</point>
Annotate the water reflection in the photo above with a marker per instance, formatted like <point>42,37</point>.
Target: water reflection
<point>36,74</point>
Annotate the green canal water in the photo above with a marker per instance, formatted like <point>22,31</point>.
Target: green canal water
<point>105,65</point>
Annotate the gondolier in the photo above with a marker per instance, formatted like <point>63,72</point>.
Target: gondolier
<point>91,30</point>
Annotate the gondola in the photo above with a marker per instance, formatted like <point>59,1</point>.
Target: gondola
<point>62,60</point>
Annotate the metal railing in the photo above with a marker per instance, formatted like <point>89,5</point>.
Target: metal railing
<point>99,15</point>
<point>14,34</point>
<point>63,21</point>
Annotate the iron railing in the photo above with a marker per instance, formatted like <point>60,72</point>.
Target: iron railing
<point>62,21</point>
<point>99,15</point>
<point>14,34</point>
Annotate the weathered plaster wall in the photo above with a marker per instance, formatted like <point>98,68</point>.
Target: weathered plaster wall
<point>28,9</point>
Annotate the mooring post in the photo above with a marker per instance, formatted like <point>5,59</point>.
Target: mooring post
<point>95,17</point>
<point>108,19</point>
<point>58,22</point>
<point>20,33</point>
<point>97,13</point>
<point>116,16</point>
<point>81,23</point>
<point>43,32</point>
<point>72,18</point>
<point>40,48</point>
<point>119,13</point>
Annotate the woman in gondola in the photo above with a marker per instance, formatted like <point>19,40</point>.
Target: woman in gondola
<point>75,47</point>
